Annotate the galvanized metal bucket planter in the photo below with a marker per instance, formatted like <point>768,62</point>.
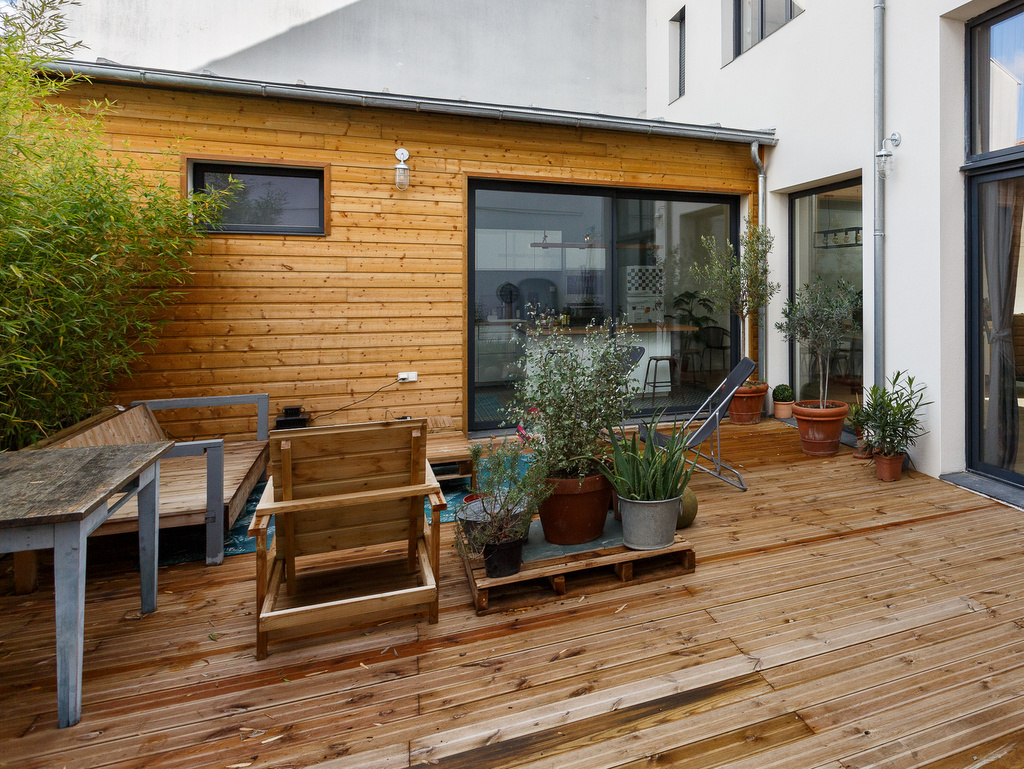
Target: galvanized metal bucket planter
<point>649,525</point>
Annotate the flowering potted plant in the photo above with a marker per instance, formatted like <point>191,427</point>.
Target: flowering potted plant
<point>575,384</point>
<point>740,285</point>
<point>818,317</point>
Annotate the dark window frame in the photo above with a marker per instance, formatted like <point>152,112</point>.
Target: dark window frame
<point>680,21</point>
<point>988,19</point>
<point>614,194</point>
<point>737,27</point>
<point>978,169</point>
<point>199,167</point>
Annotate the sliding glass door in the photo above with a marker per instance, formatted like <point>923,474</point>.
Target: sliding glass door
<point>827,242</point>
<point>586,256</point>
<point>997,319</point>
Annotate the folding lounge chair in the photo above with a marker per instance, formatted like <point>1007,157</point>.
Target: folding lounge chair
<point>711,412</point>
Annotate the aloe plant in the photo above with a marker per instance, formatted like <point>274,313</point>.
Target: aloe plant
<point>646,472</point>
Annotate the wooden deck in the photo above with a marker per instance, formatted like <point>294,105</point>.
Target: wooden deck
<point>833,621</point>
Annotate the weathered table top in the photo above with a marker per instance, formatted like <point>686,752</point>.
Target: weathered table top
<point>58,485</point>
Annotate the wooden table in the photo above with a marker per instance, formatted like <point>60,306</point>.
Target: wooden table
<point>56,498</point>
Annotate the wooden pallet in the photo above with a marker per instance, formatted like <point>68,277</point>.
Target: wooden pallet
<point>594,568</point>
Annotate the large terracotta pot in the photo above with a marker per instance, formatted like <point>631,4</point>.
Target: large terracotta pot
<point>888,468</point>
<point>747,404</point>
<point>575,512</point>
<point>820,429</point>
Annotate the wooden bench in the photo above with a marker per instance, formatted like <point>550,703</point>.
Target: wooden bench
<point>447,445</point>
<point>201,482</point>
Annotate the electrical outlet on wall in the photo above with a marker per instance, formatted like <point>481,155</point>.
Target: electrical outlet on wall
<point>407,376</point>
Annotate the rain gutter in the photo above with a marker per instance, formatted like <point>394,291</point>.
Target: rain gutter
<point>237,87</point>
<point>762,218</point>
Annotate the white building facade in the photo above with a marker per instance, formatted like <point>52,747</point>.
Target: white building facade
<point>808,70</point>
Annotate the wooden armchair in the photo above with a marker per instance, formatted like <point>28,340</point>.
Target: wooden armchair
<point>352,545</point>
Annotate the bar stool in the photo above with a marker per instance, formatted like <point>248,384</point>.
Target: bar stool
<point>651,377</point>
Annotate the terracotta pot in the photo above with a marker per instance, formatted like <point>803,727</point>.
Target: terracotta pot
<point>747,404</point>
<point>575,512</point>
<point>888,468</point>
<point>783,409</point>
<point>820,429</point>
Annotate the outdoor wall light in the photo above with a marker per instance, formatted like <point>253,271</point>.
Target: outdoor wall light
<point>883,158</point>
<point>402,170</point>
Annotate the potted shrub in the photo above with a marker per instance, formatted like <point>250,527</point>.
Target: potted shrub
<point>856,419</point>
<point>818,317</point>
<point>892,423</point>
<point>495,520</point>
<point>740,285</point>
<point>575,384</point>
<point>782,401</point>
<point>650,481</point>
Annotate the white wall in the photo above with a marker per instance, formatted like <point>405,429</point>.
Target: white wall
<point>813,81</point>
<point>580,55</point>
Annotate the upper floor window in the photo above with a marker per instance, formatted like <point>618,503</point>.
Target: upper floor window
<point>678,74</point>
<point>271,199</point>
<point>997,71</point>
<point>756,19</point>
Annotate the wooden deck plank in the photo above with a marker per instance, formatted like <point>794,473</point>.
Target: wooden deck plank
<point>833,621</point>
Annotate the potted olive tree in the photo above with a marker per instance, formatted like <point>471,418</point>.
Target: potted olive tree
<point>818,317</point>
<point>495,520</point>
<point>575,384</point>
<point>650,481</point>
<point>740,285</point>
<point>892,423</point>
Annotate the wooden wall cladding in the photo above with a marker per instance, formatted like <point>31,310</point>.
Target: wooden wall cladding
<point>323,322</point>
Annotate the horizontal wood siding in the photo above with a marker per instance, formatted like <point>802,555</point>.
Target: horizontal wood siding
<point>323,322</point>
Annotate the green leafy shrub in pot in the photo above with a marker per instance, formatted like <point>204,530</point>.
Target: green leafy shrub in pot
<point>891,415</point>
<point>510,487</point>
<point>782,393</point>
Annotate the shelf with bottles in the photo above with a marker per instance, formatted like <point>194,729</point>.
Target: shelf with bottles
<point>841,237</point>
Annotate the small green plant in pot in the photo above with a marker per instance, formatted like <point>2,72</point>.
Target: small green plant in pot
<point>575,384</point>
<point>782,400</point>
<point>650,481</point>
<point>818,318</point>
<point>495,520</point>
<point>892,422</point>
<point>740,285</point>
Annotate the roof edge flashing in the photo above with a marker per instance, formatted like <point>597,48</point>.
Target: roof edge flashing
<point>156,78</point>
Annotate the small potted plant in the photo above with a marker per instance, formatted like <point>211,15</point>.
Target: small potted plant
<point>892,423</point>
<point>740,285</point>
<point>782,400</point>
<point>495,521</point>
<point>575,384</point>
<point>818,317</point>
<point>650,481</point>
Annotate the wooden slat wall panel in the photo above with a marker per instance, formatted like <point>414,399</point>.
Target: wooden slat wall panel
<point>324,322</point>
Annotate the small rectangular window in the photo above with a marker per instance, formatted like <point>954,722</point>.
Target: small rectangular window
<point>678,44</point>
<point>272,199</point>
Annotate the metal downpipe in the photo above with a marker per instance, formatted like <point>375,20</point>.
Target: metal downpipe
<point>762,219</point>
<point>879,243</point>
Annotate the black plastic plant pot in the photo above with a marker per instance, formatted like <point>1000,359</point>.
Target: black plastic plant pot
<point>503,559</point>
